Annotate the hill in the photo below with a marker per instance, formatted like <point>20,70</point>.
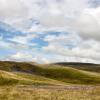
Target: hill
<point>57,73</point>
<point>82,66</point>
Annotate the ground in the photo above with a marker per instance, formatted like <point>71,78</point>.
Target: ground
<point>70,92</point>
<point>25,81</point>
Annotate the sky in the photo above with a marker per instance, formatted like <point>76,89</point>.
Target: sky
<point>47,31</point>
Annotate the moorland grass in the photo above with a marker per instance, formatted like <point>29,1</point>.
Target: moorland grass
<point>26,93</point>
<point>55,72</point>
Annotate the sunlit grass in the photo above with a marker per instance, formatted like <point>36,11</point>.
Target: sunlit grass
<point>54,72</point>
<point>23,81</point>
<point>29,93</point>
<point>14,78</point>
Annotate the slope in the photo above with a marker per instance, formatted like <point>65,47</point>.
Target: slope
<point>55,72</point>
<point>81,66</point>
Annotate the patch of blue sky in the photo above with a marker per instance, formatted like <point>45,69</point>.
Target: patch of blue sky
<point>8,35</point>
<point>69,46</point>
<point>44,33</point>
<point>6,31</point>
<point>55,32</point>
<point>39,41</point>
<point>5,51</point>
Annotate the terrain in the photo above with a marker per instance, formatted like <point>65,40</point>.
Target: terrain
<point>41,81</point>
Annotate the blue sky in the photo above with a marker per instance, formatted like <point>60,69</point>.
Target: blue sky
<point>47,31</point>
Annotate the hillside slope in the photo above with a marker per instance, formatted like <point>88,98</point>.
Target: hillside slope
<point>81,66</point>
<point>10,78</point>
<point>55,72</point>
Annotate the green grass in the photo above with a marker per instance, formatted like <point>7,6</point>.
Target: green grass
<point>30,93</point>
<point>17,78</point>
<point>53,72</point>
<point>6,81</point>
<point>40,79</point>
<point>24,81</point>
<point>8,78</point>
<point>81,66</point>
<point>68,75</point>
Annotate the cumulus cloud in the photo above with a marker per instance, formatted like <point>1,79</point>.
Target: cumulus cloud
<point>56,11</point>
<point>24,40</point>
<point>88,23</point>
<point>12,9</point>
<point>21,56</point>
<point>82,17</point>
<point>73,46</point>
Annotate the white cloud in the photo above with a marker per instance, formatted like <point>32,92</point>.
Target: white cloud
<point>24,40</point>
<point>12,9</point>
<point>21,56</point>
<point>63,39</point>
<point>56,15</point>
<point>88,23</point>
<point>70,46</point>
<point>13,46</point>
<point>41,59</point>
<point>50,13</point>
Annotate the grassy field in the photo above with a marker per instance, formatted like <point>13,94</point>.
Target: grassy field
<point>25,81</point>
<point>18,78</point>
<point>55,72</point>
<point>35,93</point>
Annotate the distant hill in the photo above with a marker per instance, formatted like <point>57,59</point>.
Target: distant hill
<point>81,66</point>
<point>52,73</point>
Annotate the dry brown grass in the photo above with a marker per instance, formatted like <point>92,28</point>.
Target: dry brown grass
<point>49,93</point>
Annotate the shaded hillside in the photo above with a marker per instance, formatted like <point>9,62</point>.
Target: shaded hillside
<point>17,66</point>
<point>81,66</point>
<point>10,78</point>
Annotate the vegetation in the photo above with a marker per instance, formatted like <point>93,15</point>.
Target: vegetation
<point>35,93</point>
<point>81,66</point>
<point>68,75</point>
<point>10,78</point>
<point>54,72</point>
<point>27,81</point>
